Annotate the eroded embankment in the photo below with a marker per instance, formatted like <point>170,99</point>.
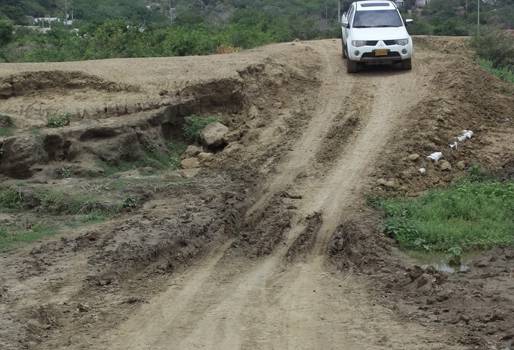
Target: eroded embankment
<point>166,220</point>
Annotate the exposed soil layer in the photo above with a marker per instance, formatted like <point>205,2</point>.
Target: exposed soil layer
<point>231,253</point>
<point>55,81</point>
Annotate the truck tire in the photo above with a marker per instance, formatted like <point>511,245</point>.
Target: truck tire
<point>344,49</point>
<point>352,66</point>
<point>407,64</point>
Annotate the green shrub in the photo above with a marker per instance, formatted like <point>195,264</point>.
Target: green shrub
<point>11,198</point>
<point>194,124</point>
<point>496,47</point>
<point>59,120</point>
<point>469,215</point>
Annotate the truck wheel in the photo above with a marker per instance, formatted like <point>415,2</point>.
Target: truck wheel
<point>407,64</point>
<point>344,49</point>
<point>352,66</point>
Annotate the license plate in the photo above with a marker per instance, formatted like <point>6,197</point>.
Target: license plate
<point>381,52</point>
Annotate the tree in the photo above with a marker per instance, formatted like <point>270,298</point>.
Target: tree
<point>6,32</point>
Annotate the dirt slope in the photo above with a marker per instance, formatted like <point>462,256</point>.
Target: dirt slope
<point>237,257</point>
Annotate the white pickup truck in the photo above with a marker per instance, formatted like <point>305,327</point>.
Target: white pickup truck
<point>373,32</point>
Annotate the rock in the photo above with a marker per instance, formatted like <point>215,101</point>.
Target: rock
<point>205,156</point>
<point>190,163</point>
<point>214,135</point>
<point>192,151</point>
<point>233,148</point>
<point>461,165</point>
<point>82,307</point>
<point>189,173</point>
<point>445,165</point>
<point>387,183</point>
<point>422,171</point>
<point>414,157</point>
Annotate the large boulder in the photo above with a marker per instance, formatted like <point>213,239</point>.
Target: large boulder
<point>214,135</point>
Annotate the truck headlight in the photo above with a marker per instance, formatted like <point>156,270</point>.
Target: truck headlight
<point>402,42</point>
<point>358,43</point>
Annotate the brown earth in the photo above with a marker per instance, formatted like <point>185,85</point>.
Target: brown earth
<point>268,245</point>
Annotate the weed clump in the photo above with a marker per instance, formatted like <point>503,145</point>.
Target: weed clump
<point>59,120</point>
<point>194,124</point>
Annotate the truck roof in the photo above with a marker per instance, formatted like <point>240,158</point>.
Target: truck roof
<point>371,5</point>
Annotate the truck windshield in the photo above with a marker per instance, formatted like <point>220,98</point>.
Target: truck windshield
<point>377,18</point>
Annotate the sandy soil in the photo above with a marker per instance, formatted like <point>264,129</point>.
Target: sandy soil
<point>270,245</point>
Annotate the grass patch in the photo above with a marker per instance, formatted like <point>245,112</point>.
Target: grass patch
<point>156,159</point>
<point>54,202</point>
<point>467,216</point>
<point>6,125</point>
<point>10,238</point>
<point>11,198</point>
<point>58,120</point>
<point>194,124</point>
<point>4,132</point>
<point>502,73</point>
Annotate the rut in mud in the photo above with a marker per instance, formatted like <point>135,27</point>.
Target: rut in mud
<point>240,255</point>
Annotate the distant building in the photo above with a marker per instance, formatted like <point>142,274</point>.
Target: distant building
<point>45,22</point>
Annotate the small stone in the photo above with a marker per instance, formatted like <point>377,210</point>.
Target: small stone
<point>205,156</point>
<point>82,307</point>
<point>422,171</point>
<point>214,135</point>
<point>387,183</point>
<point>414,157</point>
<point>189,173</point>
<point>192,151</point>
<point>445,165</point>
<point>190,163</point>
<point>461,165</point>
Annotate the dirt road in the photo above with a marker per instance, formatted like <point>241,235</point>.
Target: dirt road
<point>227,302</point>
<point>234,256</point>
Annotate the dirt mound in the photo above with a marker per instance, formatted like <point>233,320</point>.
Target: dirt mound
<point>463,98</point>
<point>354,247</point>
<point>28,83</point>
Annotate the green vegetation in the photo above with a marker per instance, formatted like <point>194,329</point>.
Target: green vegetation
<point>6,125</point>
<point>59,120</point>
<point>194,124</point>
<point>11,198</point>
<point>459,17</point>
<point>126,28</point>
<point>502,73</point>
<point>153,158</point>
<point>473,214</point>
<point>11,236</point>
<point>4,132</point>
<point>495,51</point>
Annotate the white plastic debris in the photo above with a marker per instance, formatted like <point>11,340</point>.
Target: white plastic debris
<point>468,134</point>
<point>435,156</point>
<point>462,138</point>
<point>454,145</point>
<point>422,171</point>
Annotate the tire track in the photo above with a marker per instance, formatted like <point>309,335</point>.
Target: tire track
<point>266,304</point>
